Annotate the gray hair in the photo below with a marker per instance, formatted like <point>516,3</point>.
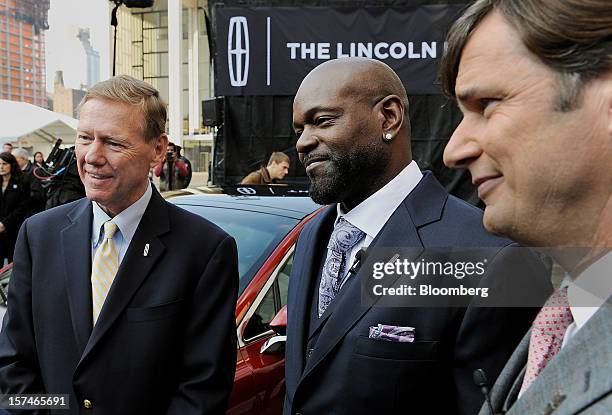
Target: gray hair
<point>21,152</point>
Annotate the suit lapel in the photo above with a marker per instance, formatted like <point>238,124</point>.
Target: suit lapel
<point>134,268</point>
<point>76,244</point>
<point>305,276</point>
<point>508,384</point>
<point>578,376</point>
<point>422,206</point>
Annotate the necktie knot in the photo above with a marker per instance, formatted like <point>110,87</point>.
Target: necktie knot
<point>110,228</point>
<point>344,236</point>
<point>555,314</point>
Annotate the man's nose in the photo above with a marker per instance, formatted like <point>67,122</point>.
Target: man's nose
<point>306,142</point>
<point>463,147</point>
<point>95,153</point>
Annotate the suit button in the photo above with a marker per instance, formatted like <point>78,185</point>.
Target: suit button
<point>87,404</point>
<point>308,354</point>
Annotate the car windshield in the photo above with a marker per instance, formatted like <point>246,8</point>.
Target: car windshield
<point>256,234</point>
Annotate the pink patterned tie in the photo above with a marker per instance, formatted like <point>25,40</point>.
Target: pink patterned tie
<point>547,333</point>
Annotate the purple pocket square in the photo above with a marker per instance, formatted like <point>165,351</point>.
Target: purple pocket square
<point>392,333</point>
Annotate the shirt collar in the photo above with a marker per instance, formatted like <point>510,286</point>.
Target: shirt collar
<point>590,289</point>
<point>127,220</point>
<point>371,215</point>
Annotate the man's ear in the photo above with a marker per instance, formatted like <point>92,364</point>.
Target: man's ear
<point>161,146</point>
<point>392,111</point>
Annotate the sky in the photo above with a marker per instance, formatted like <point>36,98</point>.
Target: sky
<point>64,51</point>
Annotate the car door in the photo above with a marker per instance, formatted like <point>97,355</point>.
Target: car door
<point>267,369</point>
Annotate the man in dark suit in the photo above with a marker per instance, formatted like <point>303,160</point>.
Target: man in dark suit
<point>122,301</point>
<point>354,140</point>
<point>537,138</point>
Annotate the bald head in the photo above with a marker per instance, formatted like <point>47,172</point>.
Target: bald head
<point>354,133</point>
<point>361,79</point>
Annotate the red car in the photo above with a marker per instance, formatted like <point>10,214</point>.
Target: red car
<point>266,230</point>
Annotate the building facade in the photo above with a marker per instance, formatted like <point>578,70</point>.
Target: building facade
<point>167,46</point>
<point>65,100</point>
<point>22,50</point>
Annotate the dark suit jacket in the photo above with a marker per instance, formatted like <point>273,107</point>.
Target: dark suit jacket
<point>348,373</point>
<point>165,340</point>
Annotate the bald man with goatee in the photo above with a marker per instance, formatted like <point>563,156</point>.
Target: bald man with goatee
<point>345,355</point>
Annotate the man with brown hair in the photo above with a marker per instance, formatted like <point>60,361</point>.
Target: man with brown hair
<point>277,169</point>
<point>107,302</point>
<point>533,79</point>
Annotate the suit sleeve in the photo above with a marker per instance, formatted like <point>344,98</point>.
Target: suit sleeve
<point>209,353</point>
<point>19,367</point>
<point>488,335</point>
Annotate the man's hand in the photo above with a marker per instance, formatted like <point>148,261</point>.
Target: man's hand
<point>2,227</point>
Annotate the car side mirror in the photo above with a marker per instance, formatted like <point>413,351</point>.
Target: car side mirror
<point>276,344</point>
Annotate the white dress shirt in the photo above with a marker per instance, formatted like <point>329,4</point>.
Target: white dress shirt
<point>127,221</point>
<point>587,293</point>
<point>371,215</point>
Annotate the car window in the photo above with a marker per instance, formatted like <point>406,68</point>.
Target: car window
<point>256,234</point>
<point>273,301</point>
<point>260,321</point>
<point>283,280</point>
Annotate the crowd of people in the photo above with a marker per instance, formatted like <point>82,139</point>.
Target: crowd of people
<point>132,308</point>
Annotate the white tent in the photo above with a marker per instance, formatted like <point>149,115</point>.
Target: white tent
<point>35,128</point>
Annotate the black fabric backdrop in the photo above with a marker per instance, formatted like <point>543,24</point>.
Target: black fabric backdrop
<point>255,126</point>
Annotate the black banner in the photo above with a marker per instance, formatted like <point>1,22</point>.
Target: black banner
<point>269,50</point>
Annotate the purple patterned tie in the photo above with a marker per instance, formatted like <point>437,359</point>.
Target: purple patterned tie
<point>343,238</point>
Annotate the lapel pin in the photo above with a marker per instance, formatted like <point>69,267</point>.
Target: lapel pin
<point>146,250</point>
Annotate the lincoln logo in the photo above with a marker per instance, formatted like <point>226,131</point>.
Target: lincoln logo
<point>238,51</point>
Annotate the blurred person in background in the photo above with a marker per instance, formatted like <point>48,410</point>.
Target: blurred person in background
<point>14,204</point>
<point>23,159</point>
<point>7,147</point>
<point>37,193</point>
<point>39,159</point>
<point>179,168</point>
<point>277,169</point>
<point>184,181</point>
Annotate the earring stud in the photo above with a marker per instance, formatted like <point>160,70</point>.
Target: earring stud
<point>388,137</point>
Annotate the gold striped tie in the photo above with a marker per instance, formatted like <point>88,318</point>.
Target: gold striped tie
<point>104,268</point>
